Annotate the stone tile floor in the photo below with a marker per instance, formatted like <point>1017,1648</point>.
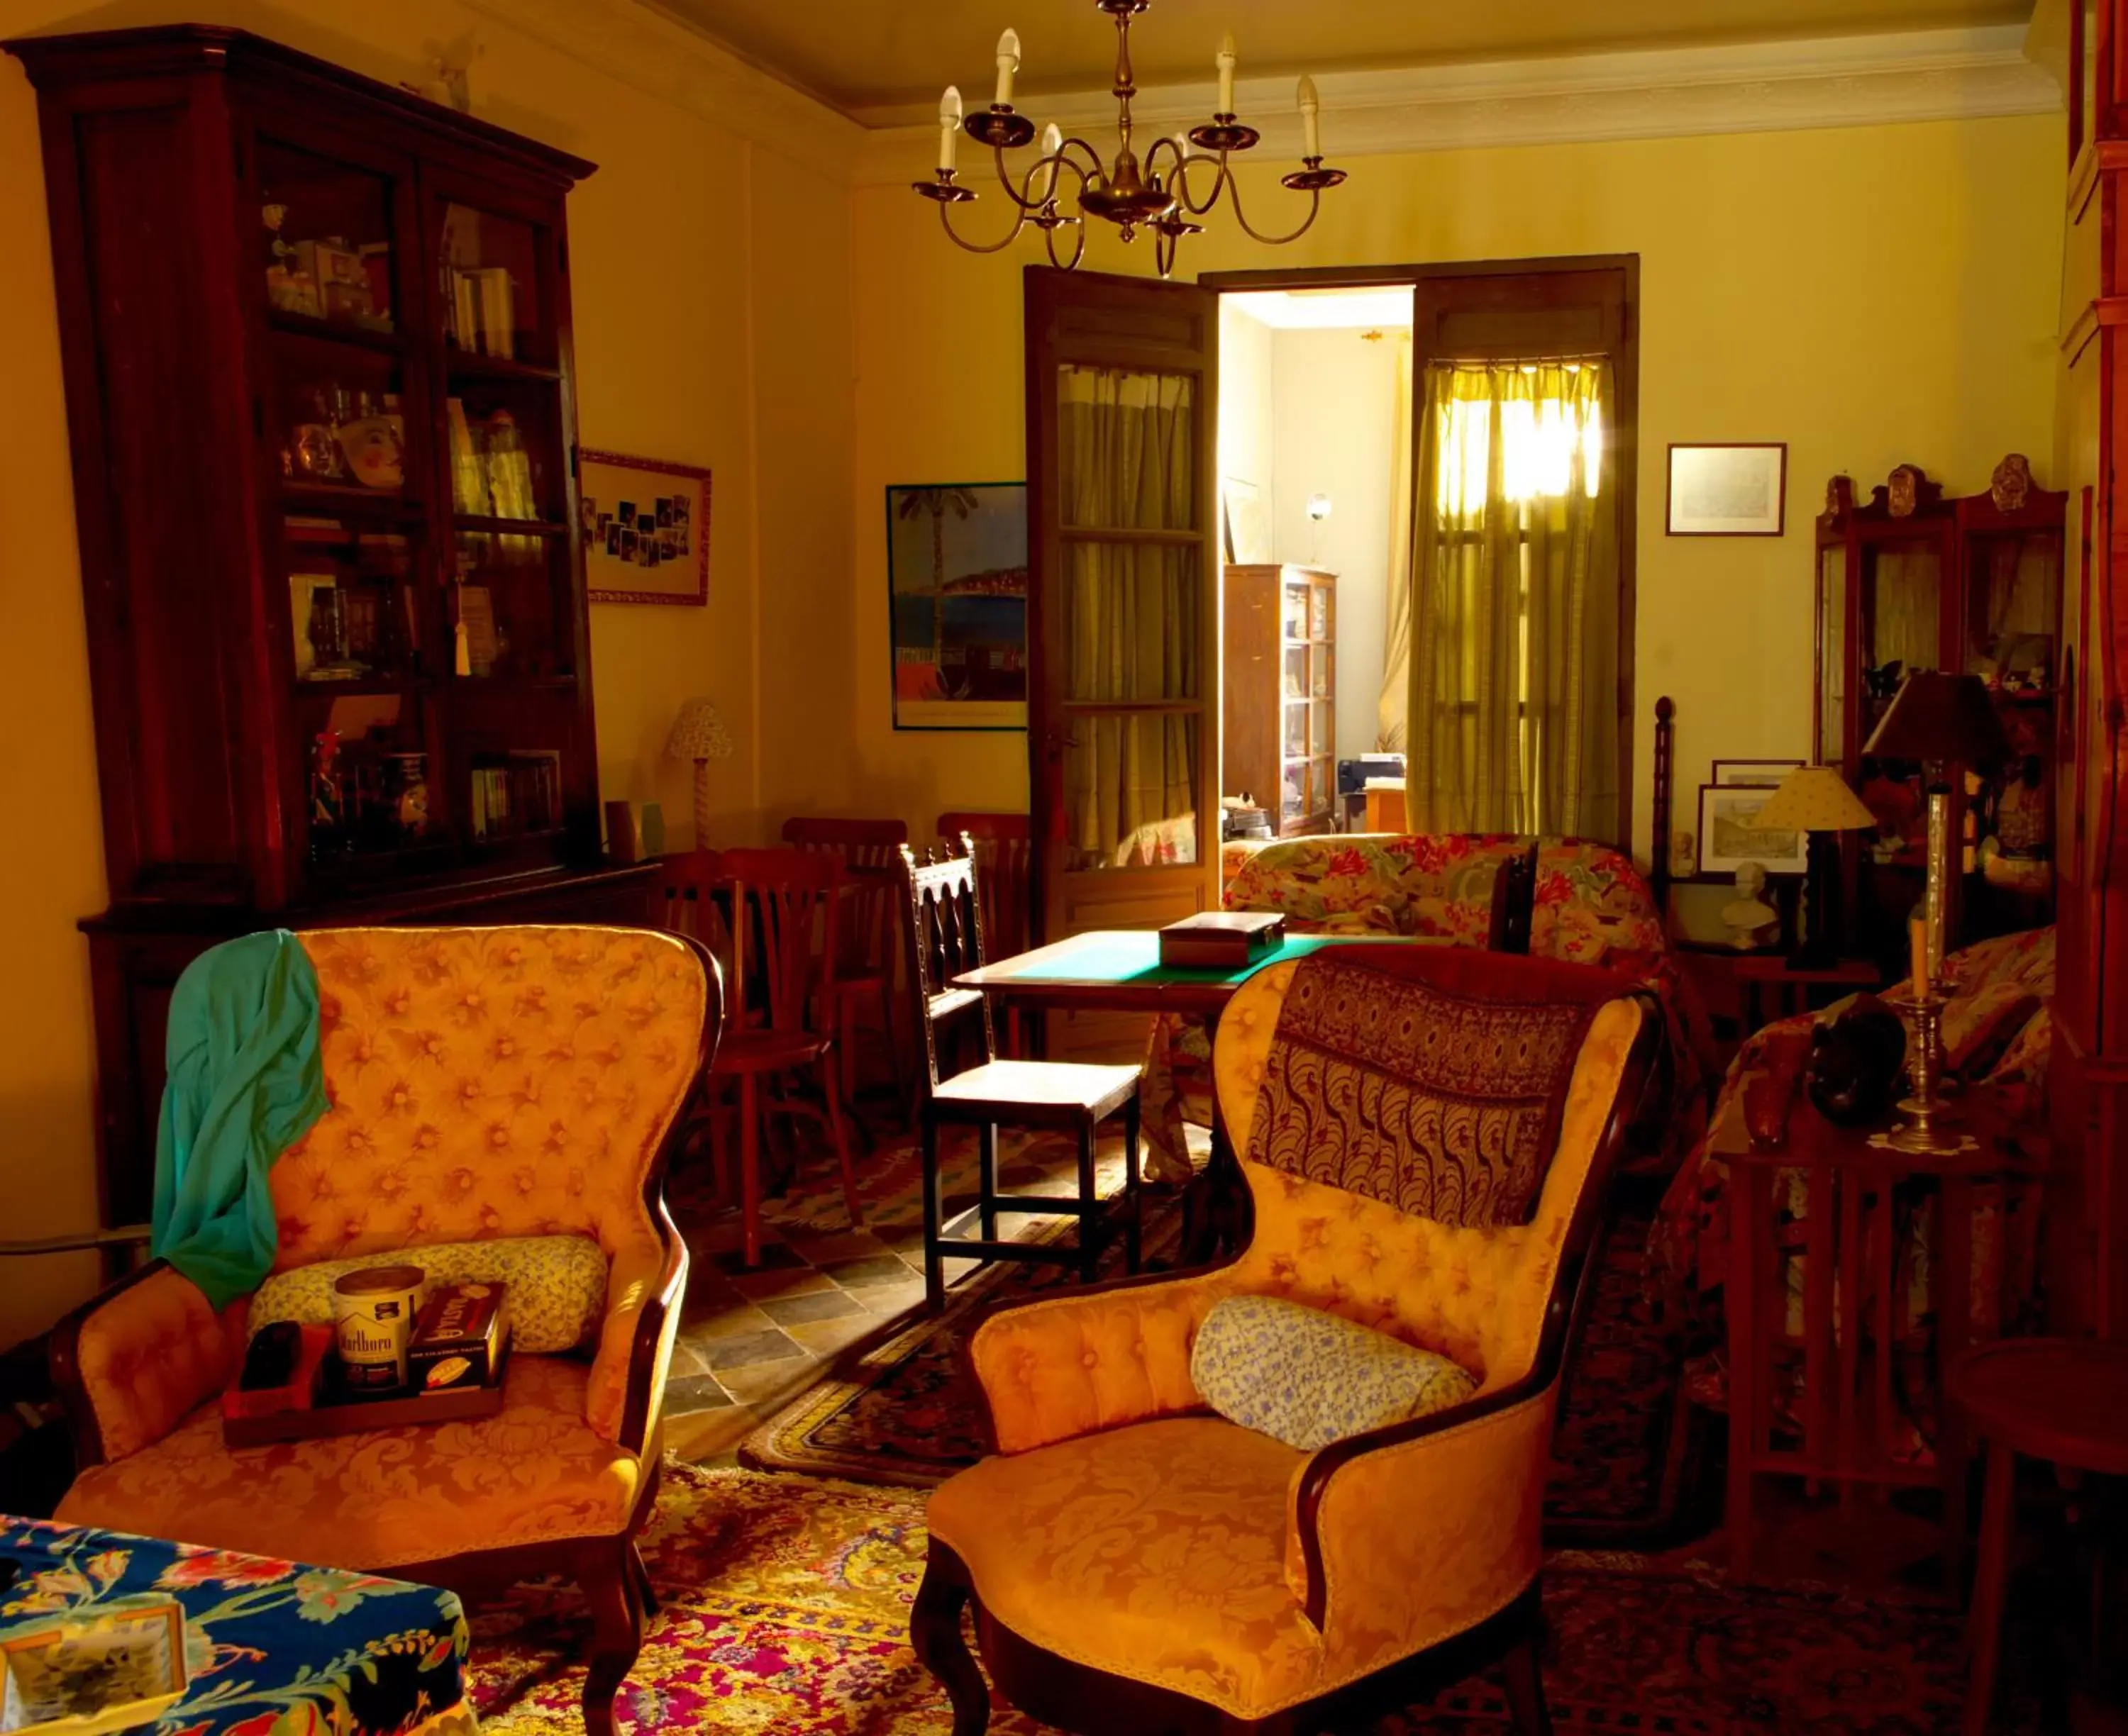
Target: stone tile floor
<point>752,1339</point>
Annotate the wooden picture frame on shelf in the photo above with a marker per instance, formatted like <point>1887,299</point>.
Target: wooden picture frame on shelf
<point>664,555</point>
<point>1757,773</point>
<point>1727,838</point>
<point>1733,488</point>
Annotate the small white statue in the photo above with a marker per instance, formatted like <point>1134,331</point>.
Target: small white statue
<point>1748,917</point>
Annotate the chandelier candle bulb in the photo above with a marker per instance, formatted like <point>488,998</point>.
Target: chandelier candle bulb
<point>1053,141</point>
<point>949,125</point>
<point>1310,105</point>
<point>1008,63</point>
<point>1226,62</point>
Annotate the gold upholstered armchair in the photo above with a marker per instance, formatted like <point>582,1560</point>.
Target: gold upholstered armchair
<point>1427,1135</point>
<point>484,1083</point>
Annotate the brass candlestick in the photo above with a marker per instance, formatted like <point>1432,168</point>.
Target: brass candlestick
<point>1929,1130</point>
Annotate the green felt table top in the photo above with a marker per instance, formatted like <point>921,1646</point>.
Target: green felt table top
<point>1121,958</point>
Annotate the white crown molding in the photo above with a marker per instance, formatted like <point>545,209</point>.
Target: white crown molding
<point>634,43</point>
<point>1655,93</point>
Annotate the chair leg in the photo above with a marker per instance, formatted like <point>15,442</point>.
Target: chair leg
<point>749,1165</point>
<point>1089,1239</point>
<point>934,1218</point>
<point>840,1134</point>
<point>1983,1620</point>
<point>1134,1213</point>
<point>720,1150</point>
<point>644,1588</point>
<point>986,1165</point>
<point>935,1633</point>
<point>605,1573</point>
<point>1523,1673</point>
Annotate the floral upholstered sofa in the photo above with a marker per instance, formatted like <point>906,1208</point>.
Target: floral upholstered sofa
<point>1592,907</point>
<point>1997,1028</point>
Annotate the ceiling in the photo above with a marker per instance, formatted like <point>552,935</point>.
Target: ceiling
<point>864,55</point>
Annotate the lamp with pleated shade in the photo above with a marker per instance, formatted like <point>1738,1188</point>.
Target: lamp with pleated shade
<point>1817,799</point>
<point>1942,720</point>
<point>699,734</point>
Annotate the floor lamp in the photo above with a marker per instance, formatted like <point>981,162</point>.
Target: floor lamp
<point>1946,722</point>
<point>699,734</point>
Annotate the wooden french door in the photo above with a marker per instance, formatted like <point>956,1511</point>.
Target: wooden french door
<point>1123,741</point>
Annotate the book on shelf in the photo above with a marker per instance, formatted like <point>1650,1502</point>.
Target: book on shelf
<point>484,311</point>
<point>516,792</point>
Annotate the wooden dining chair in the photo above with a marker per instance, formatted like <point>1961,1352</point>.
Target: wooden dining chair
<point>1004,873</point>
<point>945,938</point>
<point>864,974</point>
<point>781,900</point>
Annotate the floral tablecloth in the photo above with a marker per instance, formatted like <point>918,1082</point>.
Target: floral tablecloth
<point>272,1647</point>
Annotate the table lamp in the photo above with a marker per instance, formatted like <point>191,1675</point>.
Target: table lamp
<point>1817,799</point>
<point>699,734</point>
<point>1946,722</point>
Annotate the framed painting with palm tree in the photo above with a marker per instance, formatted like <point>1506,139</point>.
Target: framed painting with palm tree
<point>956,583</point>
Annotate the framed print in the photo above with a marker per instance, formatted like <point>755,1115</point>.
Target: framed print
<point>646,527</point>
<point>1736,489</point>
<point>1729,835</point>
<point>1758,774</point>
<point>956,593</point>
<point>1248,531</point>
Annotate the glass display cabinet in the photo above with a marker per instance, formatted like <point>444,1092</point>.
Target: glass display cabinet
<point>1279,746</point>
<point>315,335</point>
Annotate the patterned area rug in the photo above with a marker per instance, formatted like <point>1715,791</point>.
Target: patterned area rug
<point>786,1609</point>
<point>902,1411</point>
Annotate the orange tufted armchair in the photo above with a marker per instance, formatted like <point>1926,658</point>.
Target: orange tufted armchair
<point>1137,1563</point>
<point>484,1082</point>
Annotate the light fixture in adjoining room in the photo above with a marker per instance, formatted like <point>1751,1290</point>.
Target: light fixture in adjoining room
<point>1130,194</point>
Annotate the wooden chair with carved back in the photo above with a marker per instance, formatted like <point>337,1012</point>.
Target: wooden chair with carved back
<point>1004,881</point>
<point>945,938</point>
<point>864,974</point>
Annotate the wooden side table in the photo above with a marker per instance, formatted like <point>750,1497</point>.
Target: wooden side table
<point>2062,1399</point>
<point>1854,1313</point>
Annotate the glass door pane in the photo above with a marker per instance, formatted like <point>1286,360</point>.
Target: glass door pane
<point>1297,675</point>
<point>1832,654</point>
<point>326,243</point>
<point>491,286</point>
<point>1902,608</point>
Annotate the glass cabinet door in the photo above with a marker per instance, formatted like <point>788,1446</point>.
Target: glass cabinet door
<point>1831,654</point>
<point>1901,607</point>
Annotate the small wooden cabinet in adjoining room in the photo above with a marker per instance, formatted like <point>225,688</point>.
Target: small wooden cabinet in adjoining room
<point>317,341</point>
<point>1280,748</point>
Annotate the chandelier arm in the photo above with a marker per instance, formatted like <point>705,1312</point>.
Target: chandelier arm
<point>1314,204</point>
<point>1011,235</point>
<point>1049,240</point>
<point>1094,166</point>
<point>1181,186</point>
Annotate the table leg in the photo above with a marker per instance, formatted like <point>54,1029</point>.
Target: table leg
<point>1983,1627</point>
<point>1218,1227</point>
<point>1952,1281</point>
<point>1746,1286</point>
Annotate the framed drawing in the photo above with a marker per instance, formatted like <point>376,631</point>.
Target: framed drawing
<point>1248,531</point>
<point>957,592</point>
<point>1758,774</point>
<point>1729,835</point>
<point>1736,489</point>
<point>646,529</point>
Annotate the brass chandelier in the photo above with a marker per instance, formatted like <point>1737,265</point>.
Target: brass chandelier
<point>1157,193</point>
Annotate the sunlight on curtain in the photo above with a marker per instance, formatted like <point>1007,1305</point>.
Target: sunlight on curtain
<point>1128,462</point>
<point>1394,705</point>
<point>1514,654</point>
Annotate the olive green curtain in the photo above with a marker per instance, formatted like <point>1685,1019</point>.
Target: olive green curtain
<point>1391,712</point>
<point>1514,721</point>
<point>1128,462</point>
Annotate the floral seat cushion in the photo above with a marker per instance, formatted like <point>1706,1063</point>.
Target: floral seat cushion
<point>533,1470</point>
<point>1176,1581</point>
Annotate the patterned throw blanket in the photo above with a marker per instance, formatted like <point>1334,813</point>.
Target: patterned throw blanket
<point>1430,1078</point>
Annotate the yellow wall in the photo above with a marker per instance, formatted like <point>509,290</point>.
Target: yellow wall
<point>1869,296</point>
<point>712,327</point>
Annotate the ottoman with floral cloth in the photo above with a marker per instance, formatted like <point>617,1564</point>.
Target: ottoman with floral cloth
<point>270,1646</point>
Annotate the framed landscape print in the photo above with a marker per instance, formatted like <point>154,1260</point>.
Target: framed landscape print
<point>1763,773</point>
<point>1730,834</point>
<point>1737,489</point>
<point>646,529</point>
<point>957,590</point>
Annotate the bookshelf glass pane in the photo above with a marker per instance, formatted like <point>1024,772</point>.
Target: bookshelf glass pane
<point>371,787</point>
<point>325,240</point>
<point>490,284</point>
<point>503,452</point>
<point>352,602</point>
<point>1296,727</point>
<point>1296,672</point>
<point>506,606</point>
<point>335,417</point>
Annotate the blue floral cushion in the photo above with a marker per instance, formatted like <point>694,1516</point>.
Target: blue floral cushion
<point>1308,1378</point>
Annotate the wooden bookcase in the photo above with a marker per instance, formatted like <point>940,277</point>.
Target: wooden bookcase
<point>1280,686</point>
<point>317,342</point>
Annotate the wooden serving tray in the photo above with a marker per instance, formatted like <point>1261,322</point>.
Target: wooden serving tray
<point>340,1414</point>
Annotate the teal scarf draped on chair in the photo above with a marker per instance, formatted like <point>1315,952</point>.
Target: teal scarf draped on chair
<point>245,1082</point>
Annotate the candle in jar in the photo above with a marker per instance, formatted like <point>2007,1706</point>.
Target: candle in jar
<point>949,125</point>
